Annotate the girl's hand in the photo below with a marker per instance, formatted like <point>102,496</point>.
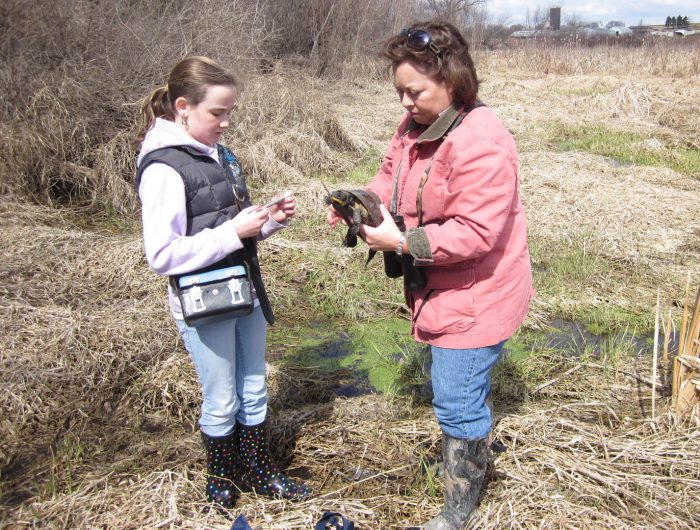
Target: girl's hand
<point>284,210</point>
<point>383,237</point>
<point>250,221</point>
<point>332,217</point>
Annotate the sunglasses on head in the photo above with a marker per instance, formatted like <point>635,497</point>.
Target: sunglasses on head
<point>419,39</point>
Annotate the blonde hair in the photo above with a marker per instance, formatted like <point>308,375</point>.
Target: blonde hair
<point>189,79</point>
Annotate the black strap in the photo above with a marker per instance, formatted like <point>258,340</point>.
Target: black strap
<point>250,244</point>
<point>419,197</point>
<point>334,521</point>
<point>420,308</point>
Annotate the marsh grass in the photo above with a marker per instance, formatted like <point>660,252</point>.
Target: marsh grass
<point>589,285</point>
<point>63,469</point>
<point>129,393</point>
<point>326,279</point>
<point>100,401</point>
<point>630,148</point>
<point>367,167</point>
<point>427,480</point>
<point>654,57</point>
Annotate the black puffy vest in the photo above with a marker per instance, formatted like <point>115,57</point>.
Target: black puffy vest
<point>208,191</point>
<point>210,201</point>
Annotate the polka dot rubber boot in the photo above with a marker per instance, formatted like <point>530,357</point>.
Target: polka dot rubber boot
<point>220,465</point>
<point>259,472</point>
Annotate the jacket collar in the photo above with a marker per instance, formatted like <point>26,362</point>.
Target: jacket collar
<point>440,127</point>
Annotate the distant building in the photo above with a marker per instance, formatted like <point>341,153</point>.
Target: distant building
<point>618,31</point>
<point>527,33</point>
<point>555,18</point>
<point>614,31</point>
<point>642,30</point>
<point>684,32</point>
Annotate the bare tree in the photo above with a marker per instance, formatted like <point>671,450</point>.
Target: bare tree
<point>496,31</point>
<point>614,23</point>
<point>454,11</point>
<point>328,32</point>
<point>574,20</point>
<point>537,18</point>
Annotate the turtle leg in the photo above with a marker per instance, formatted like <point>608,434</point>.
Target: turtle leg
<point>351,237</point>
<point>356,219</point>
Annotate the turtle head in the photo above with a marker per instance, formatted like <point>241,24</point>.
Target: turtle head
<point>339,198</point>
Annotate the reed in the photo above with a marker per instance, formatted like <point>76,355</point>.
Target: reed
<point>686,365</point>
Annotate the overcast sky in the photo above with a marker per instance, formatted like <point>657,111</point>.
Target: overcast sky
<point>629,11</point>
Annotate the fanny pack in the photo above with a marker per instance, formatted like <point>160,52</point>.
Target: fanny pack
<point>214,295</point>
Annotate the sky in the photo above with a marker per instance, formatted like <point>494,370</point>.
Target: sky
<point>603,11</point>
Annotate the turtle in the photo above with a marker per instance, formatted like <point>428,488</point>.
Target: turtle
<point>356,207</point>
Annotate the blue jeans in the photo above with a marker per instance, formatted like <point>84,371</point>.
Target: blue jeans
<point>229,357</point>
<point>462,390</point>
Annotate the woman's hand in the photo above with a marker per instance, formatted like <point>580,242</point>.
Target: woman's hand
<point>332,217</point>
<point>250,221</point>
<point>284,210</point>
<point>383,237</point>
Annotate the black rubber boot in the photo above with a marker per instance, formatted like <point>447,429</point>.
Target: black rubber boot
<point>465,464</point>
<point>259,473</point>
<point>220,466</point>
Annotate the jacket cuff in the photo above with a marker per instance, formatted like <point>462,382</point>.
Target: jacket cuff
<point>270,227</point>
<point>419,246</point>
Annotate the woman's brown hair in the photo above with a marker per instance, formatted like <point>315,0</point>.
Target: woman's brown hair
<point>449,60</point>
<point>189,79</point>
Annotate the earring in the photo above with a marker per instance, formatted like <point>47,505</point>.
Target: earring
<point>184,122</point>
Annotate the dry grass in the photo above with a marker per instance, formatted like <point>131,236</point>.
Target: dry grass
<point>686,364</point>
<point>99,403</point>
<point>571,462</point>
<point>638,216</point>
<point>674,58</point>
<point>68,114</point>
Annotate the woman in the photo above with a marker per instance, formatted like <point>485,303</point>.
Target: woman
<point>451,173</point>
<point>197,216</point>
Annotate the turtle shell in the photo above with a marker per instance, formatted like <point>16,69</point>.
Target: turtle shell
<point>345,202</point>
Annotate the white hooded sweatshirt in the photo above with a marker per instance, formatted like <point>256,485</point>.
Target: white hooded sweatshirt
<point>164,215</point>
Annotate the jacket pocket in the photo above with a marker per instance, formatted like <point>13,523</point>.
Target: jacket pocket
<point>445,311</point>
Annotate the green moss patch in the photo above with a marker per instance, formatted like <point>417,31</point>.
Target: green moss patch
<point>628,147</point>
<point>377,352</point>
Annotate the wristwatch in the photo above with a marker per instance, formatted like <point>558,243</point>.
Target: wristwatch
<point>399,245</point>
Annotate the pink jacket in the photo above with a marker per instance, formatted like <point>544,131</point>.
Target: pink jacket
<point>473,242</point>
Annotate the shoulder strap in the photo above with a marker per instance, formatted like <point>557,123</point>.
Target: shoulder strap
<point>250,244</point>
<point>235,173</point>
<point>419,195</point>
<point>395,189</point>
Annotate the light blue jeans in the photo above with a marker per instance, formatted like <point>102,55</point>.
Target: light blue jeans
<point>229,357</point>
<point>462,388</point>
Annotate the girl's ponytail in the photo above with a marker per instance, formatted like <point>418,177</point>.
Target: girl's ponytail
<point>155,105</point>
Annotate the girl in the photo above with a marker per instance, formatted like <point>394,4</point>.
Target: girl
<point>197,215</point>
